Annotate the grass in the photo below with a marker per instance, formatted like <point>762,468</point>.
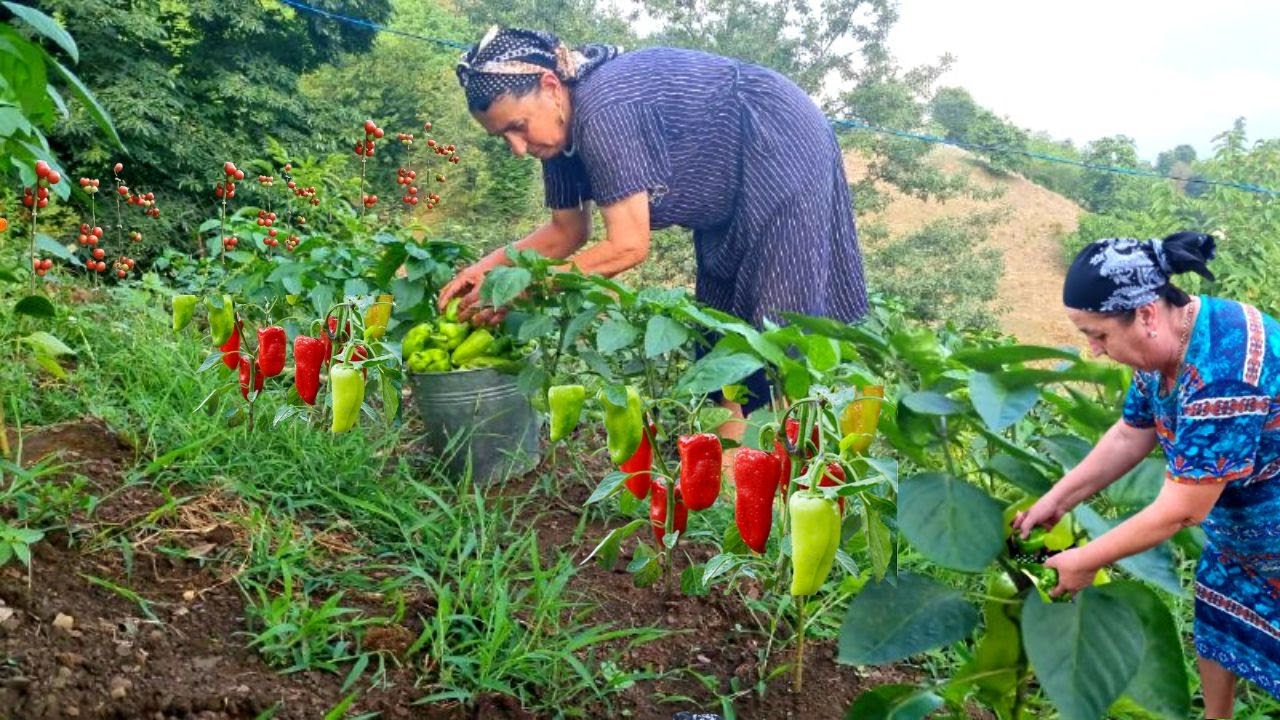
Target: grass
<point>333,535</point>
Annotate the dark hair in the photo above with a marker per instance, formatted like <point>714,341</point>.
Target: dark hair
<point>517,86</point>
<point>1171,294</point>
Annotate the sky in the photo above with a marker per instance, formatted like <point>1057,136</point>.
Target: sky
<point>1162,72</point>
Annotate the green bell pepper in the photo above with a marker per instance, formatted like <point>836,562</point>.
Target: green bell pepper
<point>184,306</point>
<point>222,320</point>
<point>565,402</point>
<point>473,347</point>
<point>624,425</point>
<point>346,384</point>
<point>815,537</point>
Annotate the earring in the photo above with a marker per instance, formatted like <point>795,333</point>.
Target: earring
<point>1151,333</point>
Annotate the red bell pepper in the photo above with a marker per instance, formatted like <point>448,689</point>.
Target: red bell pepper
<point>271,350</point>
<point>639,465</point>
<point>248,369</point>
<point>308,356</point>
<point>231,349</point>
<point>700,469</point>
<point>755,474</point>
<point>658,511</point>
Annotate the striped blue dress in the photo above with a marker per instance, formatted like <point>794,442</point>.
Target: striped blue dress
<point>733,151</point>
<point>1221,424</point>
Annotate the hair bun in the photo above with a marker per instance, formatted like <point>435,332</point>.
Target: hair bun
<point>1186,252</point>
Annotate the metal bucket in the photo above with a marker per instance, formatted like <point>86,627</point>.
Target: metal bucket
<point>478,418</point>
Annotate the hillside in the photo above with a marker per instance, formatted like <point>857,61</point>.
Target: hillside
<point>1030,292</point>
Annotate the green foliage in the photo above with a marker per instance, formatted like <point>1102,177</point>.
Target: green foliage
<point>941,271</point>
<point>1002,141</point>
<point>192,85</point>
<point>954,109</point>
<point>808,43</point>
<point>1169,159</point>
<point>1246,224</point>
<point>1103,189</point>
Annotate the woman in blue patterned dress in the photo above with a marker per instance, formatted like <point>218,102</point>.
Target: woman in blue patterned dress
<point>660,137</point>
<point>1206,387</point>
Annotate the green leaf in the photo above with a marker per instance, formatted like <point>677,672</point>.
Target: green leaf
<point>355,287</point>
<point>46,244</point>
<point>894,702</point>
<point>691,582</point>
<point>715,369</point>
<point>950,521</point>
<point>536,327</point>
<point>988,359</point>
<point>393,256</point>
<point>13,122</point>
<point>47,27</point>
<point>662,335</point>
<point>720,565</point>
<point>48,345</point>
<point>1067,450</point>
<point>1084,652</point>
<point>1160,684</point>
<point>822,353</point>
<point>886,623</point>
<point>7,275</point>
<point>91,104</point>
<point>407,293</point>
<point>608,487</point>
<point>609,547</point>
<point>1000,405</point>
<point>732,543</point>
<point>1155,565</point>
<point>880,547</point>
<point>1024,475</point>
<point>644,568</point>
<point>504,284</point>
<point>615,334</point>
<point>51,366</point>
<point>1138,487</point>
<point>35,306</point>
<point>927,402</point>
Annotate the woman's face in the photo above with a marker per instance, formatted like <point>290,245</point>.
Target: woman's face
<point>1124,342</point>
<point>532,124</point>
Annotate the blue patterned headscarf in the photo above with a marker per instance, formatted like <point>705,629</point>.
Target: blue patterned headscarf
<point>1119,274</point>
<point>506,58</point>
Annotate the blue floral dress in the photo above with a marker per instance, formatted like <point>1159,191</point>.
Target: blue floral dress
<point>1221,424</point>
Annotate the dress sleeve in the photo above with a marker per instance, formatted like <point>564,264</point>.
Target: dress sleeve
<point>624,150</point>
<point>1137,403</point>
<point>565,182</point>
<point>1218,432</point>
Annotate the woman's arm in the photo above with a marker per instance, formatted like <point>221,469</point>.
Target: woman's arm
<point>1179,505</point>
<point>626,240</point>
<point>567,231</point>
<point>1120,449</point>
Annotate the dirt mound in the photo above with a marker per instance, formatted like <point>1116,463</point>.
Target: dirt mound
<point>1030,235</point>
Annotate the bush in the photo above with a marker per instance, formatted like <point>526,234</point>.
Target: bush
<point>942,271</point>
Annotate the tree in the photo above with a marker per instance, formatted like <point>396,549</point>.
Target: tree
<point>954,109</point>
<point>1102,187</point>
<point>193,84</point>
<point>1165,161</point>
<point>811,43</point>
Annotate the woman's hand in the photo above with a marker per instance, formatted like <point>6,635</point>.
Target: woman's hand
<point>1046,513</point>
<point>1074,572</point>
<point>466,287</point>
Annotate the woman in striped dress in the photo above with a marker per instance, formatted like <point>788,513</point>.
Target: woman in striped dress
<point>1206,387</point>
<point>660,137</point>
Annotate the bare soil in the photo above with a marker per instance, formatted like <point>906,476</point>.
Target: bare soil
<point>73,648</point>
<point>1030,236</point>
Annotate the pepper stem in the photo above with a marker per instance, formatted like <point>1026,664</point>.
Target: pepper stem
<point>798,678</point>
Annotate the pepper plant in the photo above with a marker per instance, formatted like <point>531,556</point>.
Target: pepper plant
<point>983,428</point>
